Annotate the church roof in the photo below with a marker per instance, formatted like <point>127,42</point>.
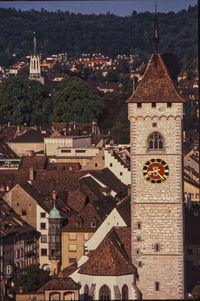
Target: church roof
<point>156,84</point>
<point>109,259</point>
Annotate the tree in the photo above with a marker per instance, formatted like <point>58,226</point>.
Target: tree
<point>31,280</point>
<point>75,101</point>
<point>23,101</point>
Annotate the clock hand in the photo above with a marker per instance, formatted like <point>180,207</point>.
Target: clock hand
<point>159,174</point>
<point>152,171</point>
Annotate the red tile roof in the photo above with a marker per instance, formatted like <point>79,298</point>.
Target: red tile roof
<point>156,84</point>
<point>109,259</point>
<point>57,283</point>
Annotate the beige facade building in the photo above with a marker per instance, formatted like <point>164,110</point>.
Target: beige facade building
<point>155,114</point>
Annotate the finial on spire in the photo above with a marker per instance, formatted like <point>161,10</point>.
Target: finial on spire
<point>34,44</point>
<point>155,36</point>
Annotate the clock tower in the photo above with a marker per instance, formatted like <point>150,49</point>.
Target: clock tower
<point>157,242</point>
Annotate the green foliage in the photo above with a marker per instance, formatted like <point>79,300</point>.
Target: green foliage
<point>31,280</point>
<point>110,34</point>
<point>190,120</point>
<point>115,117</point>
<point>23,100</point>
<point>75,101</point>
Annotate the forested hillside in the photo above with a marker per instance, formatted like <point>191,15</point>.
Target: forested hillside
<point>109,34</point>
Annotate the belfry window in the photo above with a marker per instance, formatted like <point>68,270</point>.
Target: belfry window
<point>155,141</point>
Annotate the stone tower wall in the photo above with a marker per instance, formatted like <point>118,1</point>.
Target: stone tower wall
<point>157,207</point>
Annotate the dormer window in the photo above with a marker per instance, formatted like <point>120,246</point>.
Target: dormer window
<point>155,142</point>
<point>78,224</point>
<point>93,224</point>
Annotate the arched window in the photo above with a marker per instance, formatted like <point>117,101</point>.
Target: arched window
<point>104,293</point>
<point>125,292</point>
<point>155,142</point>
<point>86,292</point>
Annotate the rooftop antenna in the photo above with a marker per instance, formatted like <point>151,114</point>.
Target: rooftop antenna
<point>156,36</point>
<point>34,45</point>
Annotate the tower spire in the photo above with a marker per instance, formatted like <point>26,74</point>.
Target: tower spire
<point>34,45</point>
<point>155,35</point>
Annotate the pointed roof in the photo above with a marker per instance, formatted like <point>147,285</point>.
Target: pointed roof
<point>156,84</point>
<point>109,259</point>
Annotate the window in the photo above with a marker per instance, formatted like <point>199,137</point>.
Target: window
<point>42,214</point>
<point>155,142</point>
<point>80,151</point>
<point>17,204</point>
<point>125,292</point>
<point>43,252</point>
<point>21,252</point>
<point>153,104</point>
<point>104,293</point>
<point>9,269</point>
<point>23,212</point>
<point>139,225</point>
<point>85,236</point>
<point>65,151</point>
<point>140,264</point>
<point>96,164</point>
<point>72,236</point>
<point>169,104</point>
<point>157,247</point>
<point>189,251</point>
<point>139,104</point>
<point>110,164</point>
<point>43,238</point>
<point>93,224</point>
<point>154,124</point>
<point>121,173</point>
<point>138,238</point>
<point>137,251</point>
<point>72,248</point>
<point>42,226</point>
<point>86,292</point>
<point>157,286</point>
<point>72,259</point>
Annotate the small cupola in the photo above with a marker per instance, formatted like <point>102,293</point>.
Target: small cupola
<point>54,213</point>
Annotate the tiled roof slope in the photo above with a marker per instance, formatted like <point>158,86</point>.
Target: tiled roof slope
<point>11,222</point>
<point>124,234</point>
<point>57,283</point>
<point>30,136</point>
<point>109,259</point>
<point>156,84</point>
<point>109,179</point>
<point>124,209</point>
<point>6,151</point>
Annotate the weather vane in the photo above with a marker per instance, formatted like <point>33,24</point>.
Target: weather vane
<point>156,37</point>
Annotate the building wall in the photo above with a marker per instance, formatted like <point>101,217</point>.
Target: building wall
<point>117,168</point>
<point>20,200</point>
<point>193,190</point>
<point>21,148</point>
<point>157,207</point>
<point>30,296</point>
<point>111,281</point>
<point>113,220</point>
<point>43,259</point>
<point>79,246</point>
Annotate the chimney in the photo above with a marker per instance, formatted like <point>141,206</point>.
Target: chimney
<point>31,173</point>
<point>8,124</point>
<point>184,136</point>
<point>74,125</point>
<point>7,188</point>
<point>54,195</point>
<point>18,129</point>
<point>93,127</point>
<point>65,132</point>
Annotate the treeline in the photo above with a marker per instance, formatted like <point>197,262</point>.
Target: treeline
<point>109,34</point>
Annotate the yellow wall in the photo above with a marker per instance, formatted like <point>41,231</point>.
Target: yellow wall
<point>66,242</point>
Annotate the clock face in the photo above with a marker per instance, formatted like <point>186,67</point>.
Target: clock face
<point>156,171</point>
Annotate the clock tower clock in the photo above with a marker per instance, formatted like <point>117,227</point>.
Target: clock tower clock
<point>155,114</point>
